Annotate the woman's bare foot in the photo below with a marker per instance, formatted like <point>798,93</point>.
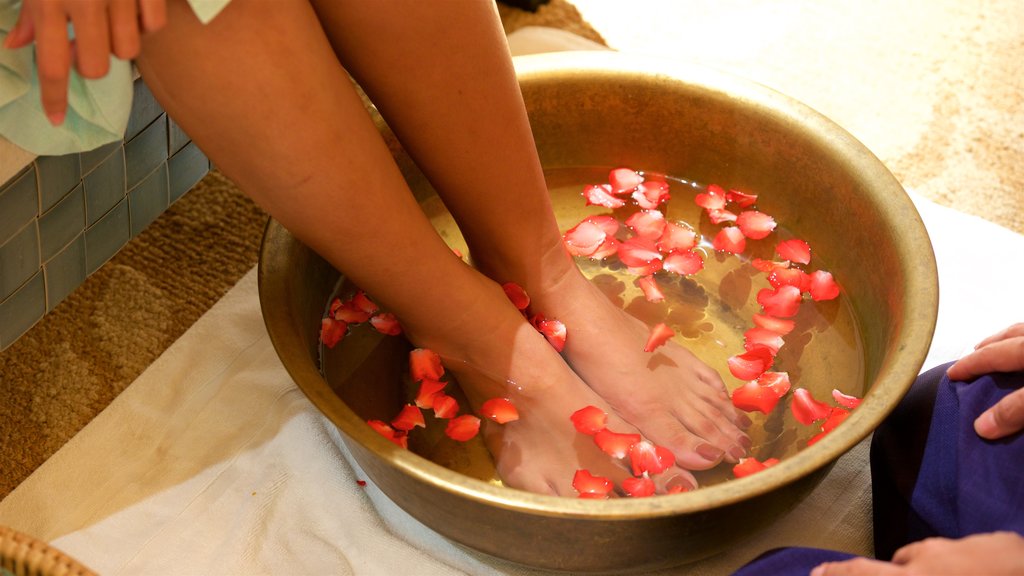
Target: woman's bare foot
<point>672,397</point>
<point>504,356</point>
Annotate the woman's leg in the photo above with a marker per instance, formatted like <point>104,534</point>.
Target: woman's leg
<point>441,75</point>
<point>261,92</point>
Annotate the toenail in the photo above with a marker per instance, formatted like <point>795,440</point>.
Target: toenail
<point>679,481</point>
<point>743,422</point>
<point>737,452</point>
<point>746,442</point>
<point>709,452</point>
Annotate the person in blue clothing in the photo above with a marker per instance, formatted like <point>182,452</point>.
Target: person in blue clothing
<point>947,470</point>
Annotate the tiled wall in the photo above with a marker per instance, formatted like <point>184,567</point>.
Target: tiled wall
<point>63,217</point>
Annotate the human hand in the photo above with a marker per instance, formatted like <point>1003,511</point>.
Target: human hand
<point>992,554</point>
<point>1002,352</point>
<point>102,28</point>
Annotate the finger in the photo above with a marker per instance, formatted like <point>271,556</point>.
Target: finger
<point>913,550</point>
<point>1003,419</point>
<point>124,29</point>
<point>92,39</point>
<point>22,33</point>
<point>152,14</point>
<point>53,60</point>
<point>1012,331</point>
<point>857,567</point>
<point>1002,356</point>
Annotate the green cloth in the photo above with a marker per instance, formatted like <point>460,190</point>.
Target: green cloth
<point>97,109</point>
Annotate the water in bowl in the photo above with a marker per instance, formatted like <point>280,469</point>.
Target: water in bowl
<point>709,312</point>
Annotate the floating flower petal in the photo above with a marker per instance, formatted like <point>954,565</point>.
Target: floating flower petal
<point>751,364</point>
<point>614,444</point>
<point>794,250</point>
<point>590,486</point>
<point>730,239</point>
<point>713,199</point>
<point>584,239</point>
<point>624,180</point>
<point>762,337</point>
<point>748,466</point>
<point>683,262</point>
<point>789,277</point>
<point>332,331</point>
<point>647,224</point>
<point>637,252</point>
<point>845,400</point>
<point>777,325</point>
<point>553,330</point>
<point>428,390</point>
<point>602,196</point>
<point>462,428</point>
<point>823,287</point>
<point>675,237</point>
<point>408,418</point>
<point>425,364</point>
<point>660,333</point>
<point>516,295</point>
<point>386,323</point>
<point>650,288</point>
<point>638,487</point>
<point>445,406</point>
<point>741,199</point>
<point>755,225</point>
<point>720,216</point>
<point>646,458</point>
<point>501,410</point>
<point>782,302</point>
<point>589,420</point>
<point>650,194</point>
<point>806,409</point>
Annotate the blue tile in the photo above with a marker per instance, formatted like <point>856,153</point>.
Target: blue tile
<point>65,272</point>
<point>145,110</point>
<point>104,187</point>
<point>91,159</point>
<point>57,175</point>
<point>19,203</point>
<point>62,223</point>
<point>187,168</point>
<point>104,238</point>
<point>148,200</point>
<point>22,310</point>
<point>19,259</point>
<point>145,152</point>
<point>176,137</point>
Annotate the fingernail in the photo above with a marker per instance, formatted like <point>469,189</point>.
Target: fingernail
<point>56,118</point>
<point>709,452</point>
<point>985,425</point>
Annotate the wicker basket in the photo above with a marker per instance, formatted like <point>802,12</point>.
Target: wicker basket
<point>23,555</point>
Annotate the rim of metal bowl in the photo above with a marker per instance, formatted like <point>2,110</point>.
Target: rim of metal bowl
<point>913,342</point>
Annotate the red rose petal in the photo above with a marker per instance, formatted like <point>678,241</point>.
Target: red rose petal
<point>730,239</point>
<point>408,418</point>
<point>683,262</point>
<point>501,410</point>
<point>609,224</point>
<point>638,253</point>
<point>553,330</point>
<point>386,323</point>
<point>590,486</point>
<point>677,489</point>
<point>647,224</point>
<point>748,466</point>
<point>762,337</point>
<point>720,216</point>
<point>713,199</point>
<point>462,428</point>
<point>584,239</point>
<point>651,290</point>
<point>638,487</point>
<point>332,331</point>
<point>789,277</point>
<point>751,364</point>
<point>398,437</point>
<point>361,301</point>
<point>624,180</point>
<point>425,364</point>
<point>823,287</point>
<point>845,400</point>
<point>589,420</point>
<point>602,196</point>
<point>428,390</point>
<point>650,194</point>
<point>609,247</point>
<point>741,199</point>
<point>445,406</point>
<point>806,409</point>
<point>647,458</point>
<point>755,225</point>
<point>767,266</point>
<point>777,325</point>
<point>835,418</point>
<point>794,250</point>
<point>781,302</point>
<point>660,333</point>
<point>675,237</point>
<point>762,394</point>
<point>516,295</point>
<point>351,313</point>
<point>652,267</point>
<point>614,444</point>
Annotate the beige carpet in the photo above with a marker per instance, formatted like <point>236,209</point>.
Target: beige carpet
<point>934,88</point>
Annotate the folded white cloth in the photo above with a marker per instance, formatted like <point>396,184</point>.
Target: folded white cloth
<point>213,462</point>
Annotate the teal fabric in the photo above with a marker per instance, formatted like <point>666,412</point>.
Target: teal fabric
<point>97,109</point>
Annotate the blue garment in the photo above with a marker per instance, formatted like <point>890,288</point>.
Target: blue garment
<point>931,474</point>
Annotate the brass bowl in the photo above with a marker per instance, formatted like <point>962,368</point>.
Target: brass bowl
<point>608,109</point>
